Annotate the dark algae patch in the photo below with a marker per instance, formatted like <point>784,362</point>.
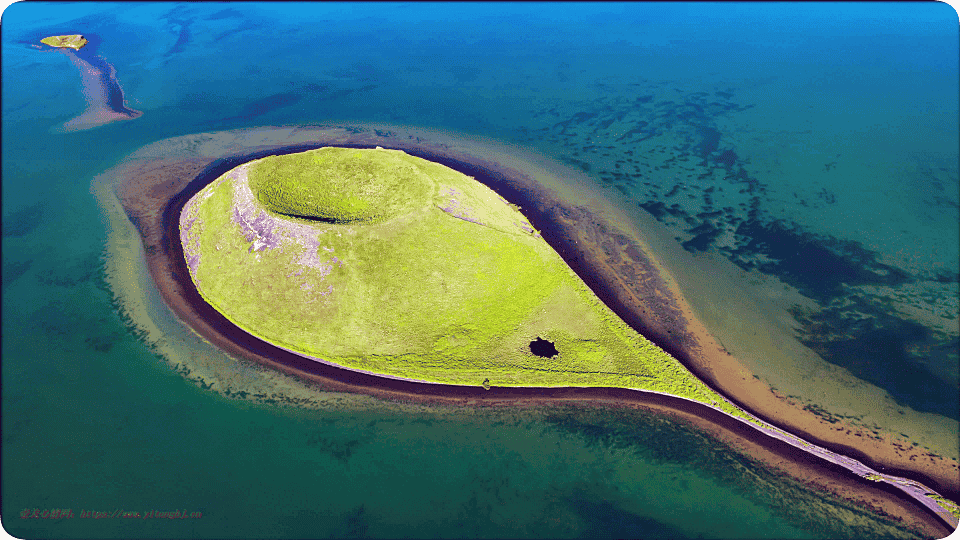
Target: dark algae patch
<point>70,272</point>
<point>665,149</point>
<point>817,266</point>
<point>23,221</point>
<point>884,350</point>
<point>354,523</point>
<point>663,440</point>
<point>704,235</point>
<point>281,100</point>
<point>605,519</point>
<point>12,270</point>
<point>341,450</point>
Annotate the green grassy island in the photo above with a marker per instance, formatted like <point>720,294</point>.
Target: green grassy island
<point>379,261</point>
<point>75,41</point>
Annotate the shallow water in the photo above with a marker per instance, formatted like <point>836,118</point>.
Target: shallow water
<point>828,162</point>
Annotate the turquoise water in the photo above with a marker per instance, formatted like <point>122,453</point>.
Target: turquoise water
<point>658,103</point>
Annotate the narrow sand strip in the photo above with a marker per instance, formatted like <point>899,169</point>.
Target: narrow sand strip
<point>105,102</point>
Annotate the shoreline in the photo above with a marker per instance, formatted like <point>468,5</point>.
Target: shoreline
<point>666,322</point>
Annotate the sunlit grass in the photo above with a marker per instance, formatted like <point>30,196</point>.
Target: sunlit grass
<point>432,277</point>
<point>72,42</point>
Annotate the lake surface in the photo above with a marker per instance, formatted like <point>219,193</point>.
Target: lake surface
<point>813,147</point>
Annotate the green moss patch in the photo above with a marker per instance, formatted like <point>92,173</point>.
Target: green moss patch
<point>407,268</point>
<point>70,42</point>
<point>338,185</point>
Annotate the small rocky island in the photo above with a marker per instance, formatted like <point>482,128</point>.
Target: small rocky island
<point>75,42</point>
<point>386,263</point>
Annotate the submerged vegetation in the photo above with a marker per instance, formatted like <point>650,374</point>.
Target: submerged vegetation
<point>379,261</point>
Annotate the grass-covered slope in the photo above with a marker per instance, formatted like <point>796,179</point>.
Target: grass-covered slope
<point>334,185</point>
<point>410,269</point>
<point>73,42</point>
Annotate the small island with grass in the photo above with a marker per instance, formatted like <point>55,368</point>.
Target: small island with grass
<point>75,42</point>
<point>381,262</point>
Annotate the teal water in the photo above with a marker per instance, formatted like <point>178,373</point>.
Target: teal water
<point>93,420</point>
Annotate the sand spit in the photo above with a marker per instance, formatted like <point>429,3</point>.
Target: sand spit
<point>105,101</point>
<point>157,180</point>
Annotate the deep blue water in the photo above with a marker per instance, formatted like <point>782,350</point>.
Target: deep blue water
<point>816,144</point>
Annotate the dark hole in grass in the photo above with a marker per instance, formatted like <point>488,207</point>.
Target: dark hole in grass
<point>317,219</point>
<point>543,348</point>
